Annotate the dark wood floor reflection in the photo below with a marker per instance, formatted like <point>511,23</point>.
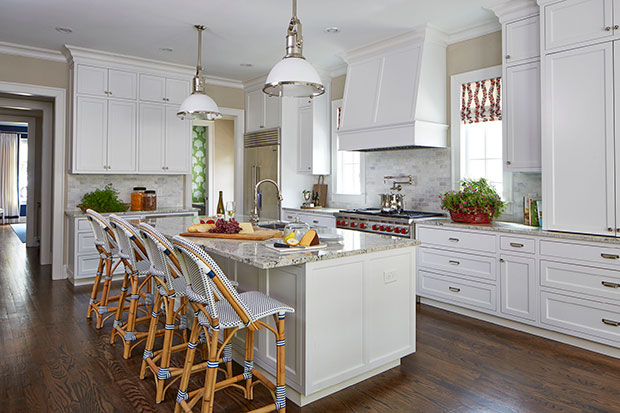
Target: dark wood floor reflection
<point>52,359</point>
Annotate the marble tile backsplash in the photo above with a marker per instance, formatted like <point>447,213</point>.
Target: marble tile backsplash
<point>169,187</point>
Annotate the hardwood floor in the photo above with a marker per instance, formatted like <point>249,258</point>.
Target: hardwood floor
<point>53,359</point>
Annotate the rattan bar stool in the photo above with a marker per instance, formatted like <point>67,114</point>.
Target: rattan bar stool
<point>138,267</point>
<point>170,292</point>
<point>205,282</point>
<point>106,245</point>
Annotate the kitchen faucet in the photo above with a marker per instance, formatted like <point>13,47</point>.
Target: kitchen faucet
<point>254,214</point>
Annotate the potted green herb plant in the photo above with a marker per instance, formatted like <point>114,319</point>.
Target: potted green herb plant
<point>102,200</point>
<point>476,202</point>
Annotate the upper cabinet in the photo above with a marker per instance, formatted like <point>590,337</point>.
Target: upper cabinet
<point>395,94</point>
<point>313,145</point>
<point>261,111</point>
<point>113,132</point>
<point>579,22</point>
<point>159,89</point>
<point>521,41</point>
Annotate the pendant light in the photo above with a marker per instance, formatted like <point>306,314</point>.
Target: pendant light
<point>294,76</point>
<point>199,105</point>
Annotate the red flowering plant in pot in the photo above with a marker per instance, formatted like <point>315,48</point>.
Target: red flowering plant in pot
<point>476,202</point>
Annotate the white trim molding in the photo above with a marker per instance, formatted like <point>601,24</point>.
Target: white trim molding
<point>508,10</point>
<point>32,52</point>
<point>483,29</point>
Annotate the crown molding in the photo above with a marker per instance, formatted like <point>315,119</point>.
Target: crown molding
<point>337,71</point>
<point>488,27</point>
<point>509,10</point>
<point>32,52</point>
<point>74,53</point>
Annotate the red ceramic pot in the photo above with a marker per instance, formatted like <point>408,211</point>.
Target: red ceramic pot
<point>477,217</point>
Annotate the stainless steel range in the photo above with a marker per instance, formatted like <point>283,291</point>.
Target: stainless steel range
<point>399,224</point>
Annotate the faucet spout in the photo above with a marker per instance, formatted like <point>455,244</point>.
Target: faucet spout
<point>254,218</point>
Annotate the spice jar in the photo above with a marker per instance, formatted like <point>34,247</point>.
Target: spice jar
<point>149,202</point>
<point>136,198</point>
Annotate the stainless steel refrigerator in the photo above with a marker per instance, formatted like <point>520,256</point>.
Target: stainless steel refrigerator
<point>261,161</point>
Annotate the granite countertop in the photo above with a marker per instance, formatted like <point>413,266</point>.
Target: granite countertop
<point>255,253</point>
<point>76,212</point>
<point>321,211</point>
<point>520,229</point>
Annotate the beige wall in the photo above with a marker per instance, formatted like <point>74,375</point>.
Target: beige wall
<point>227,97</point>
<point>337,87</point>
<point>32,71</point>
<point>224,158</point>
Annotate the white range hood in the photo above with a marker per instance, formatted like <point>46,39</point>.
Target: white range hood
<point>395,94</point>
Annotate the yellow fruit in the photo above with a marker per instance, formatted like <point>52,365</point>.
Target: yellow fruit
<point>291,241</point>
<point>289,236</point>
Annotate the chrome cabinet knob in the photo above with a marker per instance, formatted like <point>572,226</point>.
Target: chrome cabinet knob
<point>608,28</point>
<point>616,27</point>
<point>508,163</point>
<point>507,56</point>
<point>610,229</point>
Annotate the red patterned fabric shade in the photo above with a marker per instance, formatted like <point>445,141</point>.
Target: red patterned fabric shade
<point>481,101</point>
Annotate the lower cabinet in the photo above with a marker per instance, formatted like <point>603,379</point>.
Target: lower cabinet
<point>310,218</point>
<point>518,286</point>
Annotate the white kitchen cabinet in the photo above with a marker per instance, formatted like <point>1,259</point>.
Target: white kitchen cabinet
<point>160,89</point>
<point>577,22</point>
<point>617,128</point>
<point>262,111</point>
<point>311,218</point>
<point>518,286</point>
<point>122,84</point>
<point>313,146</point>
<point>103,82</point>
<point>177,143</point>
<point>304,145</point>
<point>522,40</point>
<point>578,146</point>
<point>105,137</point>
<point>521,117</point>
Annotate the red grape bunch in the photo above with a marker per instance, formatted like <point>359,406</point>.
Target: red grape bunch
<point>226,227</point>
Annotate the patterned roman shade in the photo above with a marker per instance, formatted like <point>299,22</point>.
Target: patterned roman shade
<point>481,101</point>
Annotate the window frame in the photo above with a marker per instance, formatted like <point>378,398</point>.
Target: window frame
<point>455,126</point>
<point>336,196</point>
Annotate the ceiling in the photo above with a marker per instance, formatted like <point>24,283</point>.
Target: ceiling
<point>239,31</point>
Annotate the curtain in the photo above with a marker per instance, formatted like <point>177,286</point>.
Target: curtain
<point>481,101</point>
<point>9,197</point>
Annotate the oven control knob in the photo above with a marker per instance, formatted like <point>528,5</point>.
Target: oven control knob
<point>381,228</point>
<point>353,224</point>
<point>343,223</point>
<point>362,226</point>
<point>337,222</point>
<point>404,231</point>
<point>396,230</point>
<point>374,227</point>
<point>389,229</point>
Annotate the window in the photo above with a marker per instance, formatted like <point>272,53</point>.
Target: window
<point>348,166</point>
<point>481,152</point>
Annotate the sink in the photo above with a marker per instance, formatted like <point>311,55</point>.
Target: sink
<point>273,225</point>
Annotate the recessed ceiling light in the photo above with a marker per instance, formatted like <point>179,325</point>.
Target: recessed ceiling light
<point>246,64</point>
<point>166,49</point>
<point>65,30</point>
<point>332,30</point>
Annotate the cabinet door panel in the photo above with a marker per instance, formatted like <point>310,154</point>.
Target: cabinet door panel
<point>151,138</point>
<point>176,90</point>
<point>121,136</point>
<point>92,80</point>
<point>617,123</point>
<point>522,120</point>
<point>91,134</point>
<point>517,285</point>
<point>578,148</point>
<point>152,88</point>
<point>304,145</point>
<point>255,111</point>
<point>273,111</point>
<point>575,21</point>
<point>178,138</point>
<point>361,88</point>
<point>522,40</point>
<point>122,84</point>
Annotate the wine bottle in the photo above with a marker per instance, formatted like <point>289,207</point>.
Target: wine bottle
<point>220,205</point>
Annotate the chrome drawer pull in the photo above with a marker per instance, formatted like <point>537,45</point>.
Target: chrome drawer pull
<point>454,289</point>
<point>610,284</point>
<point>315,221</point>
<point>454,262</point>
<point>611,322</point>
<point>453,239</point>
<point>516,245</point>
<point>610,256</point>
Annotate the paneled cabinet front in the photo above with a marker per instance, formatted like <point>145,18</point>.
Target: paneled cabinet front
<point>518,286</point>
<point>522,40</point>
<point>262,111</point>
<point>104,82</point>
<point>160,89</point>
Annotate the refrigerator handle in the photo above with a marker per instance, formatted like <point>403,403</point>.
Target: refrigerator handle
<point>257,174</point>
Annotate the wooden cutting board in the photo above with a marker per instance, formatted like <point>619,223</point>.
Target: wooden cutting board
<point>321,189</point>
<point>258,235</point>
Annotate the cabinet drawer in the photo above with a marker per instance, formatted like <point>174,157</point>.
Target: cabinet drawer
<point>515,244</point>
<point>588,319</point>
<point>318,220</point>
<point>83,225</point>
<point>87,266</point>
<point>86,244</point>
<point>289,215</point>
<point>581,279</point>
<point>463,264</point>
<point>454,290</point>
<point>457,239</point>
<point>602,255</point>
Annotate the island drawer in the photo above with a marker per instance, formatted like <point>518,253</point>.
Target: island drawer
<point>457,239</point>
<point>587,318</point>
<point>464,264</point>
<point>581,279</point>
<point>86,244</point>
<point>455,290</point>
<point>515,244</point>
<point>603,254</point>
<point>83,225</point>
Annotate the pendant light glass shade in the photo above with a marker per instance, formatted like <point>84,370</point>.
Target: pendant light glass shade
<point>199,105</point>
<point>294,76</point>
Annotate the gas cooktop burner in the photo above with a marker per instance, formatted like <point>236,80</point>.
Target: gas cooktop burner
<point>401,214</point>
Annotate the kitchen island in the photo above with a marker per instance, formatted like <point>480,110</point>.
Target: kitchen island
<point>354,305</point>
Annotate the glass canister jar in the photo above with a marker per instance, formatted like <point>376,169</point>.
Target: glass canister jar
<point>149,203</point>
<point>137,197</point>
<point>296,229</point>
